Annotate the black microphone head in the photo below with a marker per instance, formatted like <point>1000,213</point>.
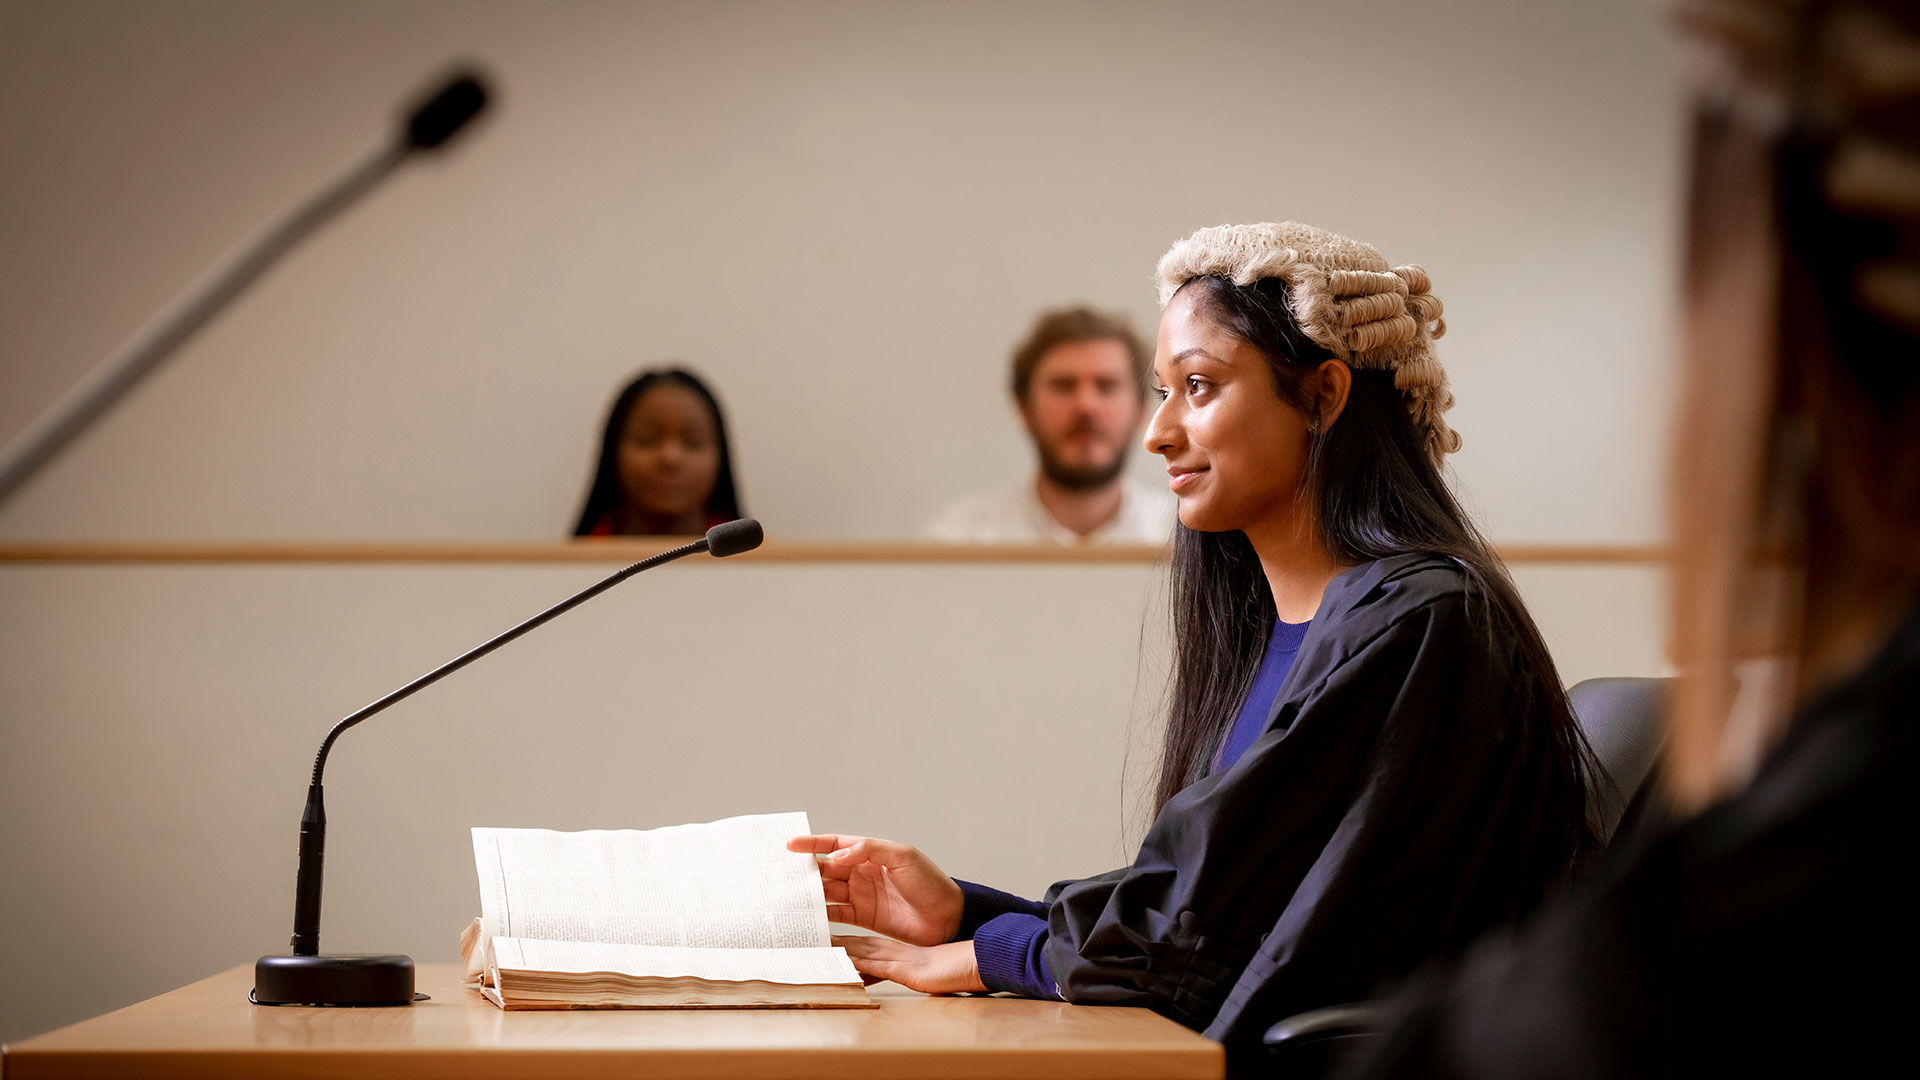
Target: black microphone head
<point>436,119</point>
<point>734,537</point>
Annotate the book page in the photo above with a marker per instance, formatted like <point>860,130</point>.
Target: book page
<point>728,884</point>
<point>799,967</point>
<point>471,954</point>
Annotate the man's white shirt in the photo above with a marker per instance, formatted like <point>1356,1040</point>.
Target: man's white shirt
<point>1018,517</point>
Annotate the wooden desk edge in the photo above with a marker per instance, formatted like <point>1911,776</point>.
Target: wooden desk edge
<point>1118,1063</point>
<point>1121,1063</point>
<point>63,1053</point>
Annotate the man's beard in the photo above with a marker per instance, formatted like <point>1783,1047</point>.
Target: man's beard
<point>1080,477</point>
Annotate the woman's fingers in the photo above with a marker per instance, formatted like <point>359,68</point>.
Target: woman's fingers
<point>872,946</point>
<point>855,944</point>
<point>868,849</point>
<point>939,969</point>
<point>822,844</point>
<point>831,853</point>
<point>876,956</point>
<point>841,907</point>
<point>850,855</point>
<point>822,848</point>
<point>848,851</point>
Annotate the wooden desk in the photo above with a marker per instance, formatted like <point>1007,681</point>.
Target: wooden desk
<point>208,1029</point>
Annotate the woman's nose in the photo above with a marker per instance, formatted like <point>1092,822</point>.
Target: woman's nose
<point>1162,433</point>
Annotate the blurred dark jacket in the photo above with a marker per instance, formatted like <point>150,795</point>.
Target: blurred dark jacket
<point>1769,936</point>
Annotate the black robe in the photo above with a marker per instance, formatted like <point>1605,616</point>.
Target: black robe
<point>1772,935</point>
<point>1391,811</point>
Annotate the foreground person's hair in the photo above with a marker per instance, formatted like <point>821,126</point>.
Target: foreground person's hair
<point>1797,490</point>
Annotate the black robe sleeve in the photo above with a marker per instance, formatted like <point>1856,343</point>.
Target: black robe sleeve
<point>1386,815</point>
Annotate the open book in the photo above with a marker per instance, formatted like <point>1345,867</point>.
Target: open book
<point>720,914</point>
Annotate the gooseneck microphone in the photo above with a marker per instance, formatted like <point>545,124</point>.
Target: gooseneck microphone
<point>425,127</point>
<point>308,978</point>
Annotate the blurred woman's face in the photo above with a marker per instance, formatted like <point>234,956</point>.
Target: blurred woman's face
<point>1236,451</point>
<point>669,452</point>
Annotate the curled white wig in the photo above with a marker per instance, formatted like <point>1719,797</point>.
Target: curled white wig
<point>1346,298</point>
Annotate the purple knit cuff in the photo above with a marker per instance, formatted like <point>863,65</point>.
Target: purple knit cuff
<point>981,904</point>
<point>1009,951</point>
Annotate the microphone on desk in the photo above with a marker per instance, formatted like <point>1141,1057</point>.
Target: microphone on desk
<point>425,127</point>
<point>308,978</point>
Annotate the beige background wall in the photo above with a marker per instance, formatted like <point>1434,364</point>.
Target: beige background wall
<point>844,212</point>
<point>160,724</point>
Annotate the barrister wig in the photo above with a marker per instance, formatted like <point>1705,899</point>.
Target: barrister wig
<point>1346,298</point>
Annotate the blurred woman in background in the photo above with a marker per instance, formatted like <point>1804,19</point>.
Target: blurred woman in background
<point>665,468</point>
<point>1766,934</point>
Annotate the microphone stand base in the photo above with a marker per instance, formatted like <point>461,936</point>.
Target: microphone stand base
<point>344,979</point>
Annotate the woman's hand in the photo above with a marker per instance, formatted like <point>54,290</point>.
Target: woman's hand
<point>939,969</point>
<point>886,887</point>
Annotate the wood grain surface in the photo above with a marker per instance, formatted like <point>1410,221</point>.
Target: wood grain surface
<point>208,1029</point>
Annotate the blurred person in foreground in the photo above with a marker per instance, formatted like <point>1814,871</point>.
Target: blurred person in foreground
<point>1080,383</point>
<point>1368,760</point>
<point>665,468</point>
<point>1767,932</point>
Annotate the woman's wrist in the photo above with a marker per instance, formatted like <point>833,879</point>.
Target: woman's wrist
<point>955,915</point>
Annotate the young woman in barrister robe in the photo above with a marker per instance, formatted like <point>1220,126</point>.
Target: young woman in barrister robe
<point>1769,931</point>
<point>665,468</point>
<point>1369,759</point>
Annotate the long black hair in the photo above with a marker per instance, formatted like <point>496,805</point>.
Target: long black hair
<point>1377,493</point>
<point>606,494</point>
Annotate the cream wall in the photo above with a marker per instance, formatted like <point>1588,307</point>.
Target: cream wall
<point>844,212</point>
<point>160,724</point>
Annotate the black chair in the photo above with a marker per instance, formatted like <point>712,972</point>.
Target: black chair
<point>1621,718</point>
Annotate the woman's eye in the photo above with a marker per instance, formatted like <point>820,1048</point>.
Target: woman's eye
<point>1195,384</point>
<point>1160,392</point>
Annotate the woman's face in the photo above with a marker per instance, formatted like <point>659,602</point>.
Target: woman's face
<point>1236,451</point>
<point>669,452</point>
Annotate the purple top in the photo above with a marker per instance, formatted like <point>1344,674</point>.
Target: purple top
<point>1010,934</point>
<point>1267,680</point>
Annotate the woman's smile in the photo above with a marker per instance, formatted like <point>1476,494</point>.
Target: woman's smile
<point>1184,476</point>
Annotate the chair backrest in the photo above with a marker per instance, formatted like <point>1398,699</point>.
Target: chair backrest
<point>1621,718</point>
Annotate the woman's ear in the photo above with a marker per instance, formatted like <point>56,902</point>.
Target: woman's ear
<point>1334,381</point>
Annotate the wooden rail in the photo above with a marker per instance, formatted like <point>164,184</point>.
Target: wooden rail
<point>618,551</point>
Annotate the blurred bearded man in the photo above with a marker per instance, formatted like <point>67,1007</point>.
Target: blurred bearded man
<point>1080,382</point>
